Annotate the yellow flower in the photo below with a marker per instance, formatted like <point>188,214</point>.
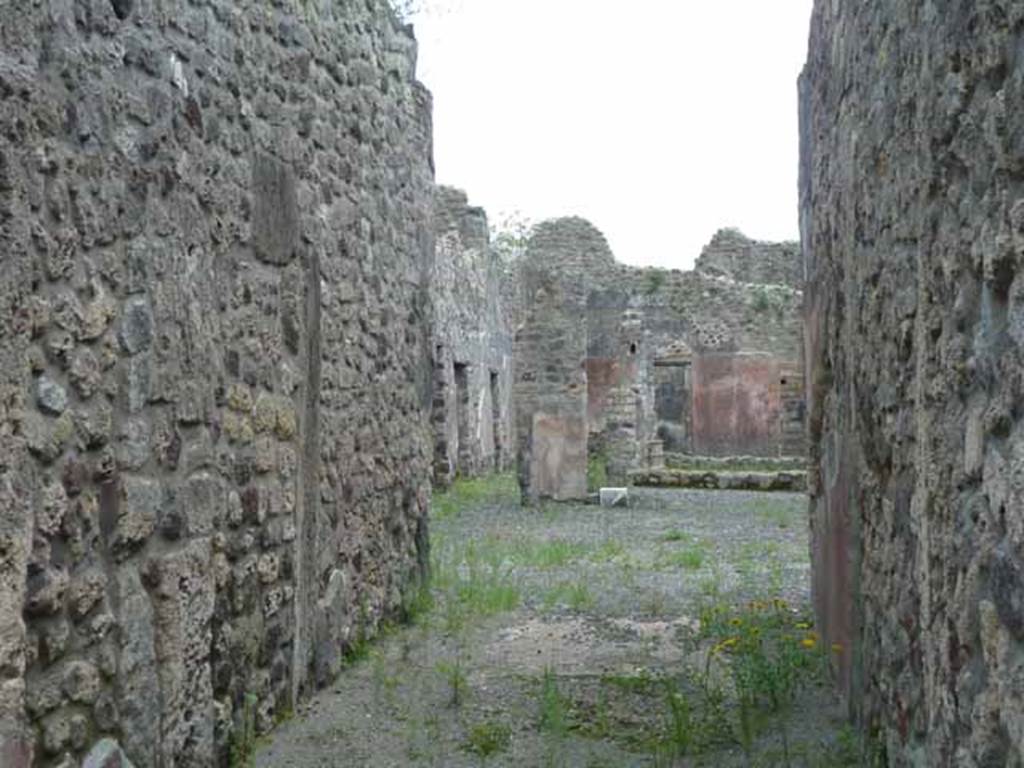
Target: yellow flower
<point>809,642</point>
<point>725,645</point>
<point>802,625</point>
<point>837,648</point>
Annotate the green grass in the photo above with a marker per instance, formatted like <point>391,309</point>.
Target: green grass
<point>760,566</point>
<point>676,535</point>
<point>597,472</point>
<point>454,674</point>
<point>576,595</point>
<point>610,550</point>
<point>552,553</point>
<point>472,580</point>
<point>242,751</point>
<point>780,515</point>
<point>496,489</point>
<point>690,557</point>
<point>554,718</point>
<point>488,739</point>
<point>640,682</point>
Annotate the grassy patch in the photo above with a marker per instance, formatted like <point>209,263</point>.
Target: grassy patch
<point>778,514</point>
<point>553,553</point>
<point>473,581</point>
<point>575,595</point>
<point>243,735</point>
<point>675,536</point>
<point>597,472</point>
<point>640,682</point>
<point>488,739</point>
<point>554,717</point>
<point>768,653</point>
<point>496,489</point>
<point>690,557</point>
<point>454,674</point>
<point>610,550</point>
<point>760,566</point>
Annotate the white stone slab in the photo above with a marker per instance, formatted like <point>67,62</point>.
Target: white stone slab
<point>614,497</point>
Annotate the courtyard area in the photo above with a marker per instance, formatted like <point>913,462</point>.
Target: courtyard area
<point>673,632</point>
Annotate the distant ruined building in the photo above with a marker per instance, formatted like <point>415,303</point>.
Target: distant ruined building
<point>622,364</point>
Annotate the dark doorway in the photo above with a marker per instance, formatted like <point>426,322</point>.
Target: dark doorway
<point>465,451</point>
<point>444,467</point>
<point>496,419</point>
<point>672,404</point>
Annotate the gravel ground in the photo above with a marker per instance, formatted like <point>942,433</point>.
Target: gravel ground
<point>570,636</point>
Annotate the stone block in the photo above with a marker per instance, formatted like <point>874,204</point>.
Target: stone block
<point>51,396</point>
<point>137,326</point>
<point>614,497</point>
<point>558,468</point>
<point>107,753</point>
<point>136,514</point>
<point>275,225</point>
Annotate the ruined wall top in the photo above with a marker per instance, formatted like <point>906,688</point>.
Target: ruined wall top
<point>454,214</point>
<point>570,244</point>
<point>742,294</point>
<point>734,255</point>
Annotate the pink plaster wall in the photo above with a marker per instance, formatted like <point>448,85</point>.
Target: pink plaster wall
<point>736,404</point>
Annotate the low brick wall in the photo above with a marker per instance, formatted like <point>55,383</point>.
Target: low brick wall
<point>721,481</point>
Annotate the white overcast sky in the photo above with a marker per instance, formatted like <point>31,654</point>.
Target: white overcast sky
<point>659,120</point>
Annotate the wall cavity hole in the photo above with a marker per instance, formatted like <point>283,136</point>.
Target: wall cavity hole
<point>632,349</point>
<point>122,8</point>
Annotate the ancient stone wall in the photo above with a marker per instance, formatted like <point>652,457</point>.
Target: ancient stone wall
<point>733,255</point>
<point>472,412</point>
<point>549,354</point>
<point>737,401</point>
<point>214,367</point>
<point>912,218</point>
<point>647,328</point>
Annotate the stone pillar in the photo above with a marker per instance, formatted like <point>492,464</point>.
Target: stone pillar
<point>550,391</point>
<point>627,402</point>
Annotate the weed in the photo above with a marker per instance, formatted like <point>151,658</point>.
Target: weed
<point>554,715</point>
<point>609,550</point>
<point>655,603</point>
<point>778,514</point>
<point>454,674</point>
<point>690,556</point>
<point>575,595</point>
<point>691,559</point>
<point>496,489</point>
<point>555,553</point>
<point>770,653</point>
<point>487,739</point>
<point>597,471</point>
<point>243,736</point>
<point>474,582</point>
<point>654,279</point>
<point>762,299</point>
<point>640,682</point>
<point>851,749</point>
<point>418,604</point>
<point>676,535</point>
<point>384,681</point>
